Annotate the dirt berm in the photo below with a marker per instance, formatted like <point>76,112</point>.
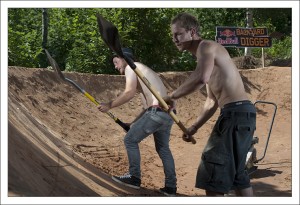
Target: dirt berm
<point>59,144</point>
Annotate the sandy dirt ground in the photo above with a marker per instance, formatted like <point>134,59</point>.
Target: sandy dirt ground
<point>59,144</point>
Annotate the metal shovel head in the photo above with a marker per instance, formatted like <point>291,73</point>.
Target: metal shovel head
<point>110,35</point>
<point>54,65</point>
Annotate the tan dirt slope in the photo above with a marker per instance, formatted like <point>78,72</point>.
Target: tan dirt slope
<point>59,144</point>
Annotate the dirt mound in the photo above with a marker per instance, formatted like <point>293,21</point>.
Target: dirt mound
<point>250,62</point>
<point>59,144</point>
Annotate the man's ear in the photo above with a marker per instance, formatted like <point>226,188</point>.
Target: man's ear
<point>193,32</point>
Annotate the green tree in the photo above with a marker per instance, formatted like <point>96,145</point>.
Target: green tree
<point>24,36</point>
<point>75,43</point>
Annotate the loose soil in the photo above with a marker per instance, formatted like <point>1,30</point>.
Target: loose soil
<point>59,144</point>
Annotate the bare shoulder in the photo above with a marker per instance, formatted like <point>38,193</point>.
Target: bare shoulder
<point>141,66</point>
<point>208,45</point>
<point>206,42</point>
<point>129,72</point>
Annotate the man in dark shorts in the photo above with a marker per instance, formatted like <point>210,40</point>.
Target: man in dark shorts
<point>222,166</point>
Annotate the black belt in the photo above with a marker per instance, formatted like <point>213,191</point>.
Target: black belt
<point>238,114</point>
<point>158,109</point>
<point>233,104</point>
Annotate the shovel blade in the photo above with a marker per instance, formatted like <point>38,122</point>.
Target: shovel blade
<point>110,35</point>
<point>54,65</point>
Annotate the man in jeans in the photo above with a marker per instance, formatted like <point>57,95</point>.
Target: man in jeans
<point>153,120</point>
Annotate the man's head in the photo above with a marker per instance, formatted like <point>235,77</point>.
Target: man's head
<point>184,28</point>
<point>120,63</point>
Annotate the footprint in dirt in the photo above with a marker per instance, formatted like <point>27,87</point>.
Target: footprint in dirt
<point>96,151</point>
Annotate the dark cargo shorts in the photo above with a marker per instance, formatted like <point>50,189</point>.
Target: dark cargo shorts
<point>222,166</point>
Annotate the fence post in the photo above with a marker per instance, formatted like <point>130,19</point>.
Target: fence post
<point>263,57</point>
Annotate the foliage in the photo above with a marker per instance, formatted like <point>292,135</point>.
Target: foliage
<point>74,40</point>
<point>279,50</point>
<point>280,19</point>
<point>24,37</point>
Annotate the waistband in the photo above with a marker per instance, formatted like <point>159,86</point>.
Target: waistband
<point>234,104</point>
<point>235,109</point>
<point>238,114</point>
<point>157,108</point>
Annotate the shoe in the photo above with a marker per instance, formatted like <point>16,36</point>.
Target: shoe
<point>168,191</point>
<point>128,180</point>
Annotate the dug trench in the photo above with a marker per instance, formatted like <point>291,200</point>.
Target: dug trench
<point>59,144</point>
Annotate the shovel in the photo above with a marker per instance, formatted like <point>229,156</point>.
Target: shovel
<point>110,36</point>
<point>60,74</point>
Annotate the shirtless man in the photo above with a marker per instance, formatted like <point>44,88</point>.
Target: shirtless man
<point>223,159</point>
<point>153,120</point>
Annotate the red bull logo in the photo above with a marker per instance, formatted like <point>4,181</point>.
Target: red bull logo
<point>228,41</point>
<point>242,37</point>
<point>227,33</point>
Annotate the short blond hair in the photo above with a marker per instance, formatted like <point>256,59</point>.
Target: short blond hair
<point>187,21</point>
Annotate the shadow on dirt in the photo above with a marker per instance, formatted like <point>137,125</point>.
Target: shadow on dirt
<point>249,86</point>
<point>264,189</point>
<point>262,173</point>
<point>41,164</point>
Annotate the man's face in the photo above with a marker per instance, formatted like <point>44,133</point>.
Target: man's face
<point>180,37</point>
<point>120,64</point>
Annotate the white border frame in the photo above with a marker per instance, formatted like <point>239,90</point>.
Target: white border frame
<point>150,200</point>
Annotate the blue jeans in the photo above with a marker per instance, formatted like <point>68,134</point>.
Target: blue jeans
<point>159,124</point>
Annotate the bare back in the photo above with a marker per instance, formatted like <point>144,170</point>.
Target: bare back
<point>225,82</point>
<point>155,81</point>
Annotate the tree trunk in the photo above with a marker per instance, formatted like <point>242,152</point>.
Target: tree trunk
<point>45,28</point>
<point>249,24</point>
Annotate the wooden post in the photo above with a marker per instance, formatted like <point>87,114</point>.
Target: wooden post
<point>249,24</point>
<point>262,57</point>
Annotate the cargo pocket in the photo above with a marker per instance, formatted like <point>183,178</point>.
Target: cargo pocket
<point>212,169</point>
<point>245,129</point>
<point>245,132</point>
<point>244,135</point>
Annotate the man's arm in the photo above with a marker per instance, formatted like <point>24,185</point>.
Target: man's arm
<point>202,73</point>
<point>209,108</point>
<point>126,95</point>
